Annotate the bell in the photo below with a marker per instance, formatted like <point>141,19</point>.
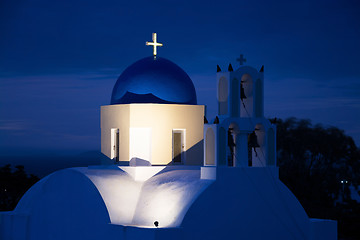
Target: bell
<point>231,142</point>
<point>242,92</point>
<point>253,142</point>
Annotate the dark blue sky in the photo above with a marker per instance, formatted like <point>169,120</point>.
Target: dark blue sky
<point>59,60</point>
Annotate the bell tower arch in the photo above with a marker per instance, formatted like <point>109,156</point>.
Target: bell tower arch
<point>223,94</point>
<point>245,137</point>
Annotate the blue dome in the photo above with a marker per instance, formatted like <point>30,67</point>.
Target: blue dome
<point>152,80</point>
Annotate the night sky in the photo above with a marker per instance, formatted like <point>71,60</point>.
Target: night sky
<point>59,60</point>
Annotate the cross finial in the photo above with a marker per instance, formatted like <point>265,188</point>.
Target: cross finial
<point>241,60</point>
<point>154,43</point>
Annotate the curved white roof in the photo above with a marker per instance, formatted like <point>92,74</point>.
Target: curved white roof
<point>80,203</point>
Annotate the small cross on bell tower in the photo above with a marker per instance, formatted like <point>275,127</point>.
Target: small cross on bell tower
<point>154,43</point>
<point>241,60</point>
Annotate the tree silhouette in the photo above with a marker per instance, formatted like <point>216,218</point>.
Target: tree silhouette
<point>313,160</point>
<point>13,185</point>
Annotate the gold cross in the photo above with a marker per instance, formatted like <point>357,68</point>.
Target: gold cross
<point>154,43</point>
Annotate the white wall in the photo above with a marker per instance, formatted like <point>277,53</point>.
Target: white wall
<point>161,119</point>
<point>104,202</point>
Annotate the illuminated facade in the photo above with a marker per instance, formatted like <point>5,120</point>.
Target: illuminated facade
<point>153,118</point>
<point>167,173</point>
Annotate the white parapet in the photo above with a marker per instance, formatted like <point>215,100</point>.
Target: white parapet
<point>323,229</point>
<point>208,173</point>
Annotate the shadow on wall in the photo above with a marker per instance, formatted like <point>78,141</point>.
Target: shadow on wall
<point>139,162</point>
<point>193,156</point>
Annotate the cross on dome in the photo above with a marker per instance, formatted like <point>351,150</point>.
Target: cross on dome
<point>241,60</point>
<point>154,43</point>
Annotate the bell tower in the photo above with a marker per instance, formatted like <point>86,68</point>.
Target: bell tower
<point>240,93</point>
<point>245,137</point>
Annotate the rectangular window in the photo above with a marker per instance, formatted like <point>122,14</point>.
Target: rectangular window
<point>115,144</point>
<point>178,139</point>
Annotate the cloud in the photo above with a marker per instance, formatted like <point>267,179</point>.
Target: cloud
<point>13,125</point>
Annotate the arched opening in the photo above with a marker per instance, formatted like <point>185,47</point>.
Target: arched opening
<point>223,93</point>
<point>222,147</point>
<point>210,147</point>
<point>256,143</point>
<point>246,107</point>
<point>235,98</point>
<point>258,99</point>
<point>232,145</point>
<point>271,147</point>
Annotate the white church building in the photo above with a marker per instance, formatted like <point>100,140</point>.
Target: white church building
<point>169,174</point>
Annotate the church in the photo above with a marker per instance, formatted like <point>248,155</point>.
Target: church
<point>169,173</point>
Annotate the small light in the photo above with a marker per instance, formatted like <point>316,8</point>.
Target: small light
<point>342,181</point>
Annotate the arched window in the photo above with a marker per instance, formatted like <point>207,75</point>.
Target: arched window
<point>258,146</point>
<point>222,147</point>
<point>223,93</point>
<point>210,147</point>
<point>232,145</point>
<point>247,83</point>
